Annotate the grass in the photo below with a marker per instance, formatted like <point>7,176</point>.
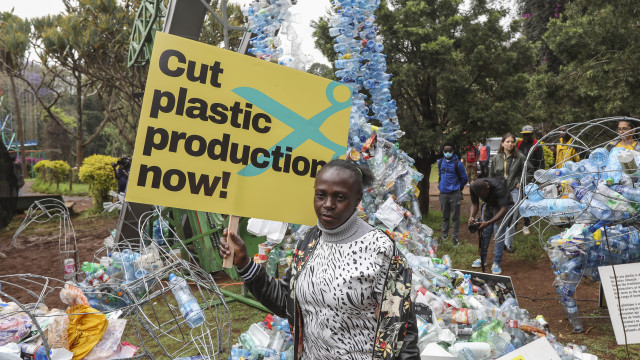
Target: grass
<point>158,320</point>
<point>529,249</point>
<point>78,189</point>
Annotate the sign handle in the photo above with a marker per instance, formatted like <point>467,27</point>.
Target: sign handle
<point>231,229</point>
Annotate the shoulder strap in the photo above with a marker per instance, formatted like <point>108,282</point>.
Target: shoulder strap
<point>518,144</point>
<point>457,171</point>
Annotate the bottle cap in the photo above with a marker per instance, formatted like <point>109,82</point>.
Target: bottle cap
<point>172,276</point>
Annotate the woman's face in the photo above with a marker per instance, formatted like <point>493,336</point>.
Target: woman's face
<point>336,197</point>
<point>508,144</point>
<point>625,129</point>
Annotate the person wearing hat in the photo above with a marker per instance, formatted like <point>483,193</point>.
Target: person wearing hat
<point>536,161</point>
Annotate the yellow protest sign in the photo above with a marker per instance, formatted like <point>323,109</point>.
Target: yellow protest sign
<point>227,133</point>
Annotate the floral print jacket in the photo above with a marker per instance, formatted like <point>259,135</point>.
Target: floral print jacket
<point>397,332</point>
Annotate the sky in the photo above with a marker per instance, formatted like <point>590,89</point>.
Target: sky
<point>307,11</point>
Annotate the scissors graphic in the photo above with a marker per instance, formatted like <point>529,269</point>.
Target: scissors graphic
<point>303,129</point>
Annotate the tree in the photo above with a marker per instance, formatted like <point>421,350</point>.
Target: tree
<point>323,70</point>
<point>453,70</point>
<point>14,41</point>
<point>598,45</point>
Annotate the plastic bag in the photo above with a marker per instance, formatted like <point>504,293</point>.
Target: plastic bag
<point>10,351</point>
<point>13,328</point>
<point>72,295</point>
<point>86,327</point>
<point>57,330</point>
<point>108,345</point>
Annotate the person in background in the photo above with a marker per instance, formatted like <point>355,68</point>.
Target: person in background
<point>347,291</point>
<point>483,159</point>
<point>536,161</point>
<point>507,164</point>
<point>565,150</point>
<point>627,137</point>
<point>497,201</point>
<point>121,171</point>
<point>471,157</point>
<point>451,180</point>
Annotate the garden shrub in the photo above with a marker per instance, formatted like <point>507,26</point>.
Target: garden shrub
<point>96,171</point>
<point>57,171</point>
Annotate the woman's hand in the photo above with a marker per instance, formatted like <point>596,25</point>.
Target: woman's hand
<point>240,257</point>
<point>518,186</point>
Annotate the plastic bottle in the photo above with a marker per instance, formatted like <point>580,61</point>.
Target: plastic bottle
<point>69,267</point>
<point>571,309</point>
<point>596,207</point>
<point>481,350</point>
<point>613,199</point>
<point>187,303</point>
<point>626,159</point>
<point>550,207</point>
<point>90,267</point>
<point>34,352</point>
<point>499,345</point>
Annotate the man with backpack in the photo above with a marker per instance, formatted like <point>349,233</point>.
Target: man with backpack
<point>451,180</point>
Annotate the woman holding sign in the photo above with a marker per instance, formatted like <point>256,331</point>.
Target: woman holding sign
<point>347,290</point>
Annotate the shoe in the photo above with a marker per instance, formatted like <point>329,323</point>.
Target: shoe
<point>510,249</point>
<point>495,269</point>
<point>455,242</point>
<point>477,263</point>
<point>526,231</point>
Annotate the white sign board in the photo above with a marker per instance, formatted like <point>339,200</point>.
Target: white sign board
<point>628,276</point>
<point>535,350</point>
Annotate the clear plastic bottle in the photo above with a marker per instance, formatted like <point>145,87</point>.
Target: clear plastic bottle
<point>187,303</point>
<point>550,207</point>
<point>571,308</point>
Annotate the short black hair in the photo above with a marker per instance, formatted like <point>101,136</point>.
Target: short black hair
<point>448,143</point>
<point>364,177</point>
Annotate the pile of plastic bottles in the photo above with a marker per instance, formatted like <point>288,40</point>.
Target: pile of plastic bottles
<point>268,20</point>
<point>269,340</point>
<point>580,250</point>
<point>103,282</point>
<point>598,195</point>
<point>599,188</point>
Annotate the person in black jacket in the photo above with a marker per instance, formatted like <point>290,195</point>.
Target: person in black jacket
<point>334,292</point>
<point>536,161</point>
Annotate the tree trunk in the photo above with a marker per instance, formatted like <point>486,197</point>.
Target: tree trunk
<point>79,129</point>
<point>23,156</point>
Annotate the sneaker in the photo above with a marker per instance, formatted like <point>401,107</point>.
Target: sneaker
<point>455,242</point>
<point>509,249</point>
<point>477,263</point>
<point>495,269</point>
<point>526,231</point>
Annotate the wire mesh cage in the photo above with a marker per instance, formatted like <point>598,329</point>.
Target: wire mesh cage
<point>585,206</point>
<point>146,290</point>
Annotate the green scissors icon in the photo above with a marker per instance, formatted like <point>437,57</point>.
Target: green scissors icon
<point>303,129</point>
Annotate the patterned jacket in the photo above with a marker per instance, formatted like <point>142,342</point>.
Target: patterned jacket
<point>397,331</point>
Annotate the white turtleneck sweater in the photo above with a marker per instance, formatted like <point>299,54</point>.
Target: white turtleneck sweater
<point>340,289</point>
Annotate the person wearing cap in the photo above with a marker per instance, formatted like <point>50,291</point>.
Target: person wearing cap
<point>536,161</point>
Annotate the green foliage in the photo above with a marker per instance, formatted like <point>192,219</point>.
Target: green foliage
<point>548,157</point>
<point>57,170</point>
<point>323,70</point>
<point>598,47</point>
<point>44,187</point>
<point>96,171</point>
<point>14,40</point>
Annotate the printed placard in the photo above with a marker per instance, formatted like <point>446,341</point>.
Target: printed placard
<point>626,290</point>
<point>224,132</point>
